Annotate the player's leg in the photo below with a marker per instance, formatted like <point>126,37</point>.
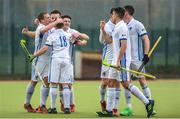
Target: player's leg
<point>65,80</point>
<point>136,92</point>
<point>117,95</point>
<point>128,111</point>
<point>72,99</point>
<point>102,92</point>
<point>103,86</point>
<point>54,75</point>
<point>29,92</point>
<point>44,91</point>
<point>143,82</point>
<point>61,97</point>
<point>111,94</point>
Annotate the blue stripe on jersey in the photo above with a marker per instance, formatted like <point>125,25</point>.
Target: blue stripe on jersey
<point>48,45</point>
<point>123,64</point>
<point>123,39</point>
<point>71,52</point>
<point>104,50</point>
<point>143,34</point>
<point>139,47</point>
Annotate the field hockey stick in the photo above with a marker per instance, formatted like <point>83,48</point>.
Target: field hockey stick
<point>150,53</point>
<point>23,46</point>
<point>104,62</point>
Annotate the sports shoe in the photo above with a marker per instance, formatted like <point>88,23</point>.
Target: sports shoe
<point>62,106</point>
<point>115,112</point>
<point>67,111</point>
<point>127,112</point>
<point>105,114</point>
<point>29,108</point>
<point>72,108</point>
<point>52,111</point>
<point>154,113</point>
<point>103,105</point>
<point>149,108</point>
<point>42,109</point>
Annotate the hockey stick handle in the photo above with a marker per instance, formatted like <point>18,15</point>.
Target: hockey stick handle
<point>150,53</point>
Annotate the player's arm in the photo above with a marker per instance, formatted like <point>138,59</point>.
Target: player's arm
<point>101,40</point>
<point>105,36</point>
<point>81,42</point>
<point>123,43</point>
<point>146,44</point>
<point>26,31</point>
<point>43,50</point>
<point>51,25</point>
<point>80,36</point>
<point>143,33</point>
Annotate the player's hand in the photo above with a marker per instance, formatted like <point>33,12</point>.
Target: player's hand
<point>102,24</point>
<point>31,57</point>
<point>75,35</point>
<point>36,21</point>
<point>118,65</point>
<point>59,20</point>
<point>145,59</point>
<point>25,30</point>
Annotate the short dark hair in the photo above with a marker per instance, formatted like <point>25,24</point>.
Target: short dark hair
<point>129,9</point>
<point>56,12</point>
<point>59,25</point>
<point>111,11</point>
<point>66,16</point>
<point>120,11</point>
<point>41,16</point>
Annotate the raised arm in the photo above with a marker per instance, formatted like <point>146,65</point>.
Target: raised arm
<point>105,36</point>
<point>26,31</point>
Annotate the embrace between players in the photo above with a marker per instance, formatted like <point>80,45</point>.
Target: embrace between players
<point>123,38</point>
<point>53,57</point>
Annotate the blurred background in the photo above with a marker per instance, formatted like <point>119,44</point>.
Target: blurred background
<point>160,17</point>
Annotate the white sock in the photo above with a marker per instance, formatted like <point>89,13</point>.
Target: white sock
<point>117,97</point>
<point>146,91</point>
<point>102,92</point>
<point>110,99</point>
<point>127,94</point>
<point>53,96</point>
<point>135,91</point>
<point>72,102</point>
<point>44,95</point>
<point>29,93</point>
<point>66,96</point>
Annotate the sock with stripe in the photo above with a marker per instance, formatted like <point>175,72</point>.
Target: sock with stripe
<point>44,95</point>
<point>29,93</point>
<point>128,98</point>
<point>66,96</point>
<point>110,98</point>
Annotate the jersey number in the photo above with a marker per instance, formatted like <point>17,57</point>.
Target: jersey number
<point>63,42</point>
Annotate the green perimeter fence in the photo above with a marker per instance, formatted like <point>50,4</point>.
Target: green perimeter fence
<point>165,59</point>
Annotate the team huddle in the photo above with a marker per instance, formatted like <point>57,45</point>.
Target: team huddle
<point>123,38</point>
<point>54,44</point>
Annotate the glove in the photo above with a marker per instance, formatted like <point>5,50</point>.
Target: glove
<point>31,57</point>
<point>145,59</point>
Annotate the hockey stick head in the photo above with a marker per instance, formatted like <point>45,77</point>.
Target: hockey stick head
<point>105,63</point>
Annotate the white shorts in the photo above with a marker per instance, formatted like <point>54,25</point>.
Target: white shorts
<point>105,70</point>
<point>42,67</point>
<point>135,66</point>
<point>120,75</point>
<point>61,71</point>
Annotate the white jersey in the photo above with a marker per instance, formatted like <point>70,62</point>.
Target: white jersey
<point>40,39</point>
<point>107,49</point>
<point>121,33</point>
<point>136,31</point>
<point>59,41</point>
<point>72,45</point>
